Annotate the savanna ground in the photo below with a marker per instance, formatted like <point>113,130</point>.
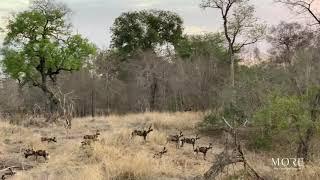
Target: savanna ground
<point>117,156</point>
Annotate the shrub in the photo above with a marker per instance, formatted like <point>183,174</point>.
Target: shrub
<point>212,120</point>
<point>283,118</point>
<point>260,142</point>
<point>232,113</point>
<point>282,114</point>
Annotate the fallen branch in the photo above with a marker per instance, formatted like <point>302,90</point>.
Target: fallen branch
<point>8,172</point>
<point>227,158</point>
<point>223,159</point>
<point>7,168</point>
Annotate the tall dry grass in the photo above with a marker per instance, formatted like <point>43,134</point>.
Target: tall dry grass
<point>117,156</point>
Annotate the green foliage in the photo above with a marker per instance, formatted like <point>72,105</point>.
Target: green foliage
<point>39,44</point>
<point>283,113</point>
<point>260,142</point>
<point>284,117</point>
<point>234,115</point>
<point>212,120</point>
<point>145,30</point>
<point>208,45</point>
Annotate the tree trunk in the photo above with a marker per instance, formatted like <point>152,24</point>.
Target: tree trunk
<point>223,159</point>
<point>53,101</point>
<point>92,104</point>
<point>93,97</point>
<point>21,105</point>
<point>153,94</point>
<point>232,75</point>
<point>304,144</point>
<point>232,64</point>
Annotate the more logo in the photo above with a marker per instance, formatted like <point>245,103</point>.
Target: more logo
<point>287,163</point>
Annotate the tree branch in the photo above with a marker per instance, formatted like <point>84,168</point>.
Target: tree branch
<point>227,123</point>
<point>301,4</point>
<point>245,44</point>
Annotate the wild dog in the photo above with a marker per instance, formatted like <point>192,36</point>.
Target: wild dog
<point>31,152</point>
<point>175,138</point>
<point>42,153</point>
<point>46,139</point>
<point>86,142</point>
<point>161,153</point>
<point>190,141</point>
<point>92,137</point>
<point>7,174</point>
<point>203,150</point>
<point>142,133</point>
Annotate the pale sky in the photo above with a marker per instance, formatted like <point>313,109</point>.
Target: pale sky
<point>93,18</point>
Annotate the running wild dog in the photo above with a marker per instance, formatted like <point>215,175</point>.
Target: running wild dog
<point>31,152</point>
<point>92,137</point>
<point>7,174</point>
<point>203,150</point>
<point>175,138</point>
<point>189,141</point>
<point>142,133</point>
<point>161,153</point>
<point>53,139</point>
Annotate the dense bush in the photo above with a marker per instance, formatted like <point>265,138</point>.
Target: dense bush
<point>212,121</point>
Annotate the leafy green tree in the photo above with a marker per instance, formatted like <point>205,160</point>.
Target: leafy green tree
<point>294,115</point>
<point>145,30</point>
<point>211,45</point>
<point>39,46</point>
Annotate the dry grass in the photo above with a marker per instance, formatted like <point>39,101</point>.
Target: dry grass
<point>116,155</point>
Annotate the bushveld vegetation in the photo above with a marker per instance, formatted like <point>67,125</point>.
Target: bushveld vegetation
<point>116,156</point>
<point>158,97</point>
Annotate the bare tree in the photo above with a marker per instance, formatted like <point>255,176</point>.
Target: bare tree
<point>241,27</point>
<point>286,38</point>
<point>147,75</point>
<point>303,7</point>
